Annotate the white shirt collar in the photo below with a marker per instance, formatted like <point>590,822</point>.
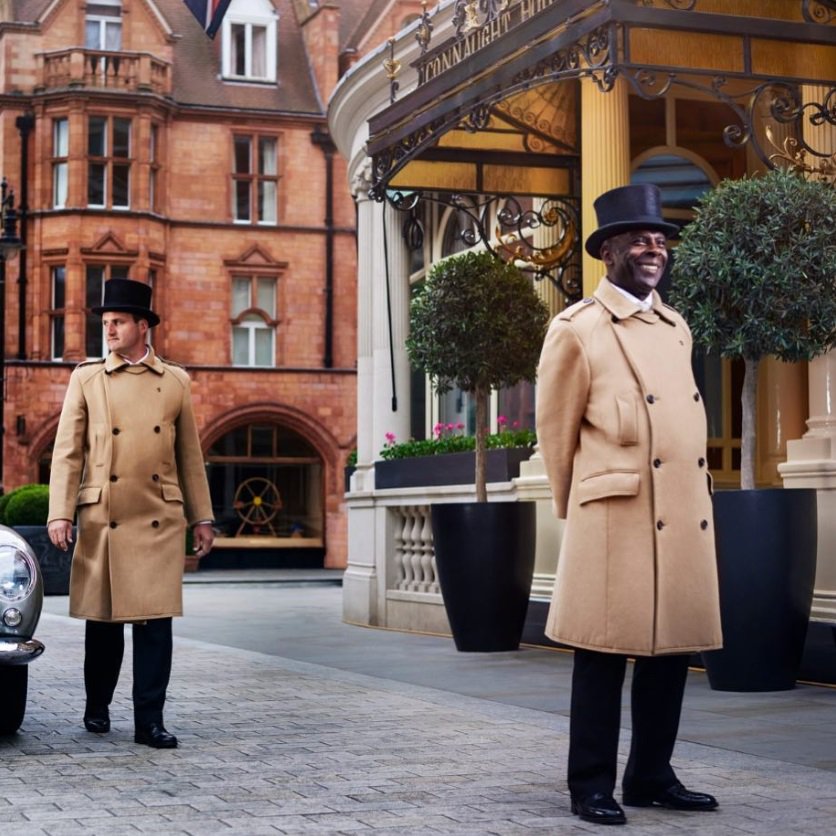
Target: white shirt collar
<point>141,359</point>
<point>645,304</point>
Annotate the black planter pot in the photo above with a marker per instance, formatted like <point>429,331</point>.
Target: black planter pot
<point>449,468</point>
<point>766,557</point>
<point>485,560</point>
<point>55,564</point>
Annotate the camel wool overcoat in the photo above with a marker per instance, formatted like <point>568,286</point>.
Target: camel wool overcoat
<point>127,460</point>
<point>622,430</point>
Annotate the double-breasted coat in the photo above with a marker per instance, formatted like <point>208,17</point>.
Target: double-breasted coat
<point>622,430</point>
<point>127,460</point>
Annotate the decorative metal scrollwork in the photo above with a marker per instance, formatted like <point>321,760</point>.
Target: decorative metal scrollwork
<point>780,101</point>
<point>539,235</point>
<point>471,14</point>
<point>593,52</point>
<point>819,11</point>
<point>392,68</point>
<point>423,34</point>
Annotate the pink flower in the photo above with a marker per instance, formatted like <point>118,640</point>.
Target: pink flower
<point>460,426</point>
<point>438,429</point>
<point>390,438</point>
<point>450,427</point>
<point>502,420</point>
<point>516,425</point>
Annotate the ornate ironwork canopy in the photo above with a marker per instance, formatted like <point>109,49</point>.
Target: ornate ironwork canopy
<point>772,62</point>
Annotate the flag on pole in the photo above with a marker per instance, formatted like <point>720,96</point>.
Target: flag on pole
<point>209,13</point>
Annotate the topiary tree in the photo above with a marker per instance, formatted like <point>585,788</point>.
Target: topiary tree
<point>477,323</point>
<point>28,505</point>
<point>755,275</point>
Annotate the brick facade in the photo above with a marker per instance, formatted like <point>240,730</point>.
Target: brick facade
<point>187,243</point>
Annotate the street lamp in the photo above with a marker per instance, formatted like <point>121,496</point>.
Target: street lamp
<point>9,247</point>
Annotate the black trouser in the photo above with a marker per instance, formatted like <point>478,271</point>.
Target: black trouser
<point>104,647</point>
<point>656,703</point>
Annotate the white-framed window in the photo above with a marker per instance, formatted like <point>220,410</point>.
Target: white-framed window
<point>254,320</point>
<point>60,164</point>
<point>249,41</point>
<point>255,179</point>
<point>103,25</point>
<point>58,282</point>
<point>109,162</point>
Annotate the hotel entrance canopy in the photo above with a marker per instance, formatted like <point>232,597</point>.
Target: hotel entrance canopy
<point>768,60</point>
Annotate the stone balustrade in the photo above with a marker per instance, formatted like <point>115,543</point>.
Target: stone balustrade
<point>132,72</point>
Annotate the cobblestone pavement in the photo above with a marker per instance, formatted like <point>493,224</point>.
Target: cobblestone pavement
<point>272,745</point>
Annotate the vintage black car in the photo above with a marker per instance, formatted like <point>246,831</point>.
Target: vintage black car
<point>21,599</point>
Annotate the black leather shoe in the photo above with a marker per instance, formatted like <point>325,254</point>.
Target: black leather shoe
<point>673,798</point>
<point>97,720</point>
<point>156,736</point>
<point>599,808</point>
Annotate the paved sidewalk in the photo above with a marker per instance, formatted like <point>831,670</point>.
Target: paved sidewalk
<point>273,744</point>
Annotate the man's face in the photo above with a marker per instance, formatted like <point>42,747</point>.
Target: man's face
<point>635,260</point>
<point>124,334</point>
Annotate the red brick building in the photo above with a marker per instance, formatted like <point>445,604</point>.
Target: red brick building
<point>140,148</point>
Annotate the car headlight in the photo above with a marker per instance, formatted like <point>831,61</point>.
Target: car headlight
<point>17,573</point>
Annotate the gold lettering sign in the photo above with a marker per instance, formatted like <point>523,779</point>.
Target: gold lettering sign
<point>437,62</point>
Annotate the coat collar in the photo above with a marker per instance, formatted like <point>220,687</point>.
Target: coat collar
<point>622,308</point>
<point>114,362</point>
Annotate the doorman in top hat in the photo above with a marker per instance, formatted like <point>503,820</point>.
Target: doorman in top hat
<point>622,430</point>
<point>127,461</point>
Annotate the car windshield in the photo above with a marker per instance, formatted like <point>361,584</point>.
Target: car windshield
<point>16,575</point>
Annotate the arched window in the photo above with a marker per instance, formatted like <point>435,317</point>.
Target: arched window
<point>266,483</point>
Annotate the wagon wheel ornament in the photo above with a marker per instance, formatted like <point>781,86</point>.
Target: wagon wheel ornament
<point>257,501</point>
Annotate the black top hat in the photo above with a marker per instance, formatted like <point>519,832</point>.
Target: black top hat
<point>128,296</point>
<point>625,208</point>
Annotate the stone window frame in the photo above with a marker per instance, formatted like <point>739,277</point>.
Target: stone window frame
<point>252,318</point>
<point>60,161</point>
<point>108,160</point>
<point>255,180</point>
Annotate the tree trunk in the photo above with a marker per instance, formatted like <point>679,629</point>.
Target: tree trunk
<point>481,449</point>
<point>749,400</point>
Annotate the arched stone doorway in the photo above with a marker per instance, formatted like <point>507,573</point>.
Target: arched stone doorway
<point>267,484</point>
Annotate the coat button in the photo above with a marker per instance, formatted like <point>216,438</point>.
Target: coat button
<point>114,477</point>
<point>700,462</point>
<point>156,429</point>
<point>113,524</point>
<point>650,399</point>
<point>657,462</point>
<point>703,524</point>
<point>116,430</point>
<point>156,477</point>
<point>660,525</point>
<point>696,396</point>
<point>155,524</point>
<point>614,318</point>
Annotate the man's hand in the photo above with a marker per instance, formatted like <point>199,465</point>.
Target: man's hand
<point>203,536</point>
<point>60,533</point>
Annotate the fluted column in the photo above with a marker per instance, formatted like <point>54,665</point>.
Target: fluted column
<point>367,214</point>
<point>782,408</point>
<point>605,158</point>
<point>811,460</point>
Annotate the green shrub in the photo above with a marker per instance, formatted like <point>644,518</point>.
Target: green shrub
<point>27,505</point>
<point>6,498</point>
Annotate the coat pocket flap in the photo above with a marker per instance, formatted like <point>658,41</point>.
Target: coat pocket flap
<point>172,493</point>
<point>89,496</point>
<point>611,483</point>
